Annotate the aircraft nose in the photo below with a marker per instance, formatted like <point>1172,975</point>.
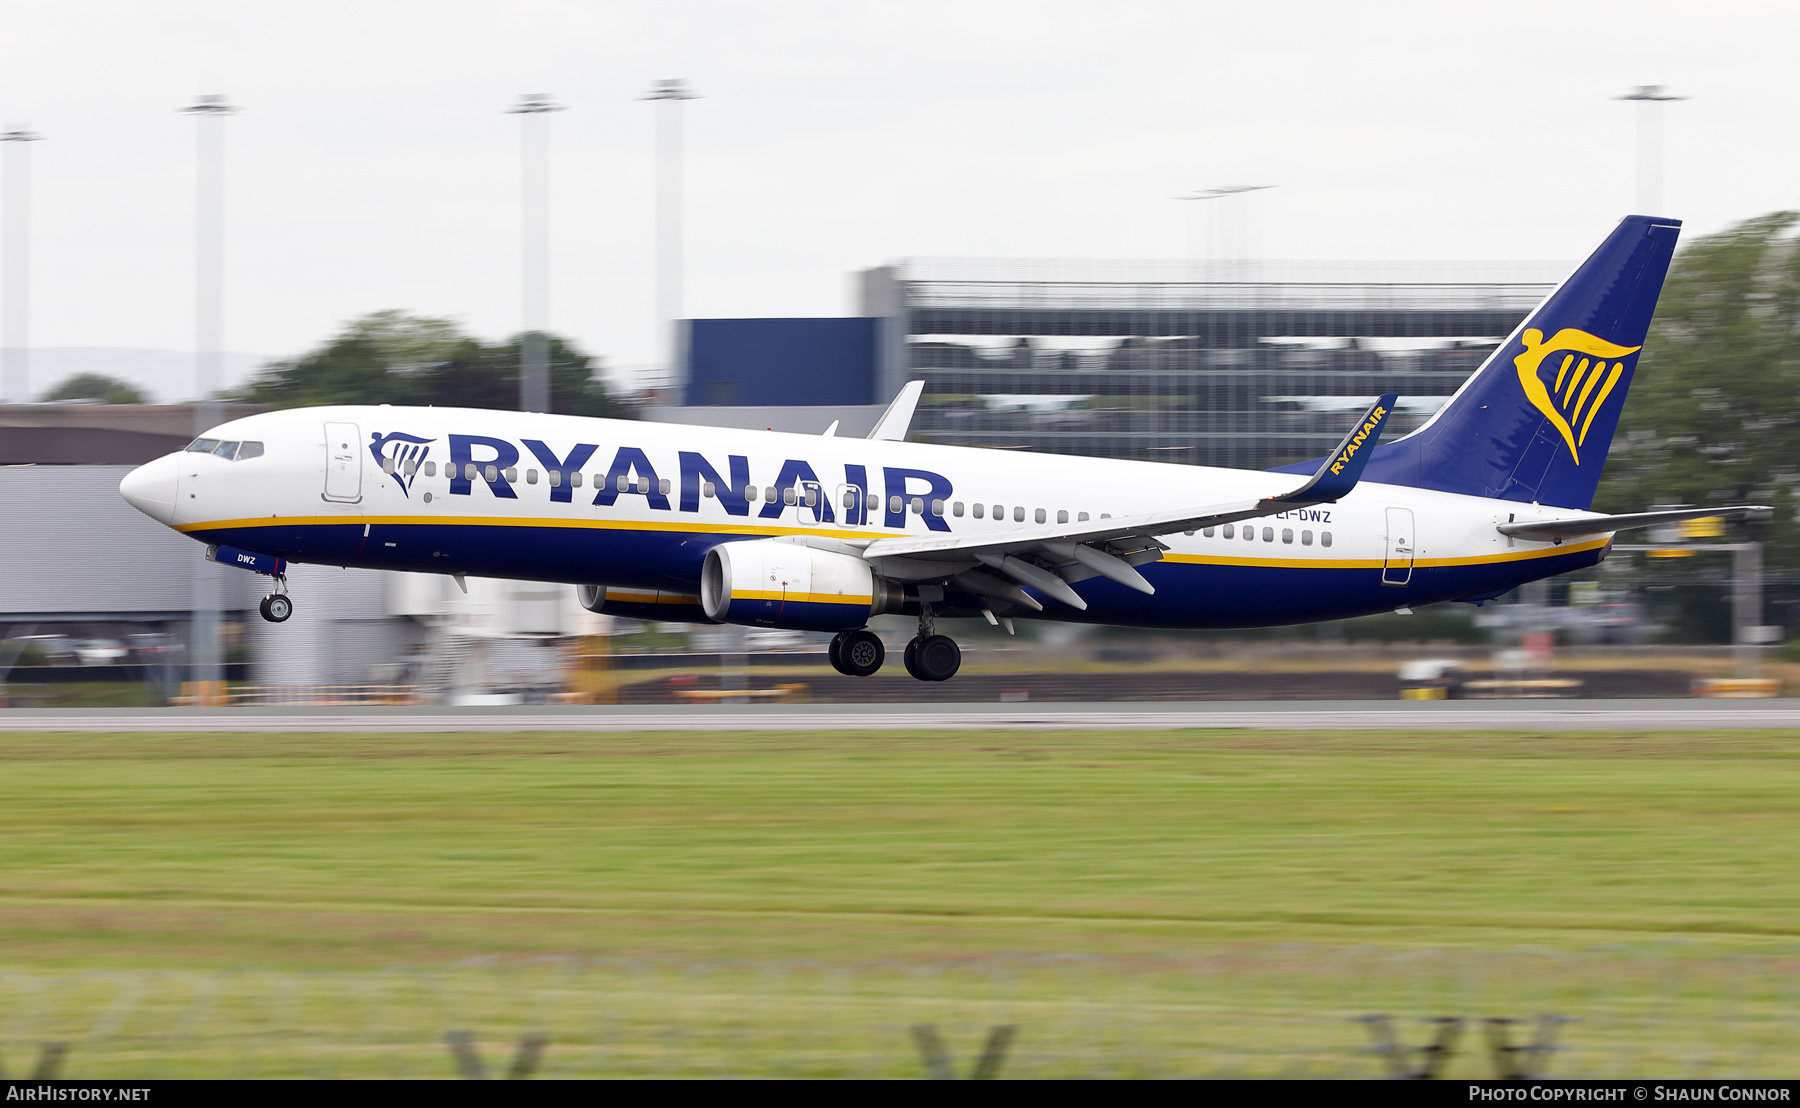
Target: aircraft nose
<point>150,488</point>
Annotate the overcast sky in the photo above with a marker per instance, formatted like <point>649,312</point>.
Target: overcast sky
<point>373,168</point>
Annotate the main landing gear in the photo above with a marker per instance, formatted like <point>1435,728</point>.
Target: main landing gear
<point>857,653</point>
<point>278,605</point>
<point>929,656</point>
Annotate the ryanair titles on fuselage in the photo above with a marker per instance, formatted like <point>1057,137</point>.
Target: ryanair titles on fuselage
<point>485,459</point>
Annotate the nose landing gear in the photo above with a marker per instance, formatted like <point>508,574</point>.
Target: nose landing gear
<point>277,606</point>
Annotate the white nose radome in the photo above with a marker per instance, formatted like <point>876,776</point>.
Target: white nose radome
<point>150,488</point>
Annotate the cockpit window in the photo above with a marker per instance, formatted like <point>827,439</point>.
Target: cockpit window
<point>230,451</point>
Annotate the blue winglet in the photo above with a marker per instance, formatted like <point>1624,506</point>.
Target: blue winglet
<point>1343,467</point>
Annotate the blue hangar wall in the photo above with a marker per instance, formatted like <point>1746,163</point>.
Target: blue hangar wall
<point>771,362</point>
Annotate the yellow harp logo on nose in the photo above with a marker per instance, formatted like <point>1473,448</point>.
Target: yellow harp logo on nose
<point>1583,379</point>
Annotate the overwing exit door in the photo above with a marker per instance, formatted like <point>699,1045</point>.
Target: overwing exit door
<point>1397,568</point>
<point>343,463</point>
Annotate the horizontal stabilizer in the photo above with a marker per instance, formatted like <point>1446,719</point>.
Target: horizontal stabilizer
<point>1600,525</point>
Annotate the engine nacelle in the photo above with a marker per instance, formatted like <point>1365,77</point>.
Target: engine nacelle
<point>771,583</point>
<point>661,607</point>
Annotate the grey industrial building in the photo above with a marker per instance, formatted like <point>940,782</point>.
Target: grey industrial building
<point>1235,364</point>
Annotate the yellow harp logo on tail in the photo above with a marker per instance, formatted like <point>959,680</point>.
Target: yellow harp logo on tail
<point>1582,383</point>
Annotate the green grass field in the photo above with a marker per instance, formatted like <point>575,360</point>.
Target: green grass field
<point>1231,888</point>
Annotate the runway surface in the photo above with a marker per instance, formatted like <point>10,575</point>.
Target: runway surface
<point>1518,715</point>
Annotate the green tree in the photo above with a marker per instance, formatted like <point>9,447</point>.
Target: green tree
<point>396,358</point>
<point>1714,410</point>
<point>95,386</point>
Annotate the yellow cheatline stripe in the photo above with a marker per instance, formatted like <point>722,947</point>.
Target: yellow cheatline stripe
<point>773,532</point>
<point>805,598</point>
<point>1600,400</point>
<point>1377,563</point>
<point>767,530</point>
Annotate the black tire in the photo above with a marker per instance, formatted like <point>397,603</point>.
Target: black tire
<point>861,654</point>
<point>910,658</point>
<point>262,608</point>
<point>833,651</point>
<point>936,658</point>
<point>277,608</point>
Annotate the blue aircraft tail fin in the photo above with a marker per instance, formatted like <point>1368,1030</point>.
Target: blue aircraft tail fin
<point>1534,423</point>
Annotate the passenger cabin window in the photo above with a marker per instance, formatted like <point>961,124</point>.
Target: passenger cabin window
<point>787,496</point>
<point>918,505</point>
<point>1208,532</point>
<point>512,473</point>
<point>431,469</point>
<point>895,505</point>
<point>812,497</point>
<point>1229,531</point>
<point>1018,515</point>
<point>1040,516</point>
<point>469,471</point>
<point>555,476</point>
<point>411,468</point>
<point>575,481</point>
<point>1306,538</point>
<point>769,494</point>
<point>1250,534</point>
<point>957,509</point>
<point>937,507</point>
<point>980,511</point>
<point>1062,517</point>
<point>999,511</point>
<point>387,465</point>
<point>849,498</point>
<point>709,490</point>
<point>1268,534</point>
<point>1287,535</point>
<point>1082,517</point>
<point>531,476</point>
<point>493,474</point>
<point>1324,538</point>
<point>662,486</point>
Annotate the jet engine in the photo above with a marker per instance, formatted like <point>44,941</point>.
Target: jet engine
<point>772,583</point>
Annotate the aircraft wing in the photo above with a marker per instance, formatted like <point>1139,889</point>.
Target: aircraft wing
<point>897,419</point>
<point>1110,547</point>
<point>1601,524</point>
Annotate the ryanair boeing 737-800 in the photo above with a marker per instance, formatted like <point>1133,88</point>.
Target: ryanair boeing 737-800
<point>767,529</point>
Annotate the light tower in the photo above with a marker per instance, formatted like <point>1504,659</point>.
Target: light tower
<point>15,275</point>
<point>205,656</point>
<point>1650,100</point>
<point>669,94</point>
<point>534,248</point>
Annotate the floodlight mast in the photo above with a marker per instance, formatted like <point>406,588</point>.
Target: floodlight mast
<point>205,653</point>
<point>1650,100</point>
<point>15,272</point>
<point>534,249</point>
<point>668,94</point>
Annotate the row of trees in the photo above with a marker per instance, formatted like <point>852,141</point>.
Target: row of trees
<point>397,358</point>
<point>1713,414</point>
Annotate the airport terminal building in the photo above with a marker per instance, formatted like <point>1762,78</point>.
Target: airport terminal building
<point>1239,364</point>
